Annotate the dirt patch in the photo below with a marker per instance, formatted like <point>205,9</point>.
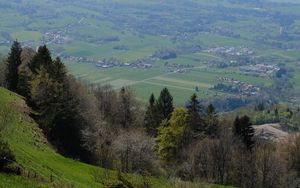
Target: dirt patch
<point>270,132</point>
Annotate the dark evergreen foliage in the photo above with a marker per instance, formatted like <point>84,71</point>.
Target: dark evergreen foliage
<point>195,117</point>
<point>13,62</point>
<point>244,130</point>
<point>42,58</point>
<point>152,117</point>
<point>165,103</point>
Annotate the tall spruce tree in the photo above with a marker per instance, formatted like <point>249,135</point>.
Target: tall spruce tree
<point>152,117</point>
<point>195,117</point>
<point>244,130</point>
<point>42,58</point>
<point>165,103</point>
<point>25,73</point>
<point>13,62</point>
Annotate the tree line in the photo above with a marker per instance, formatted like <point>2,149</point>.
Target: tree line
<point>111,128</point>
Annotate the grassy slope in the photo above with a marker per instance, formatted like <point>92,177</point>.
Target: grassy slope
<point>35,155</point>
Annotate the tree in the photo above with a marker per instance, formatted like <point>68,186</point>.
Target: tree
<point>195,119</point>
<point>135,152</point>
<point>6,156</point>
<point>152,117</point>
<point>58,70</point>
<point>243,130</point>
<point>165,103</point>
<point>3,68</point>
<point>270,166</point>
<point>126,114</point>
<point>221,154</point>
<point>13,62</point>
<point>46,95</point>
<point>211,120</point>
<point>42,58</point>
<point>170,135</point>
<point>25,73</point>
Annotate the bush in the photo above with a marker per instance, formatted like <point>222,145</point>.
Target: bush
<point>6,157</point>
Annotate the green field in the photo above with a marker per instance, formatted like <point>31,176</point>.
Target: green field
<point>128,30</point>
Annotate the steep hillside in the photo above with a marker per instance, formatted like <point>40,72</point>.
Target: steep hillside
<point>34,155</point>
<point>41,165</point>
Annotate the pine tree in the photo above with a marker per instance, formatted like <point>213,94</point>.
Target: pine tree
<point>25,73</point>
<point>237,128</point>
<point>58,70</point>
<point>244,130</point>
<point>46,96</point>
<point>165,103</point>
<point>152,117</point>
<point>212,121</point>
<point>42,58</point>
<point>195,120</point>
<point>13,62</point>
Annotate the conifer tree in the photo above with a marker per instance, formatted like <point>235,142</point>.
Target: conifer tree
<point>58,70</point>
<point>42,58</point>
<point>46,94</point>
<point>13,62</point>
<point>165,103</point>
<point>244,130</point>
<point>152,117</point>
<point>195,119</point>
<point>25,73</point>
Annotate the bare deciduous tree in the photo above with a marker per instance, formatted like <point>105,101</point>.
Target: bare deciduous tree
<point>135,152</point>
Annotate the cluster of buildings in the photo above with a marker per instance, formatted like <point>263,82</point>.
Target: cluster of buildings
<point>79,59</point>
<point>178,68</point>
<point>261,70</point>
<point>55,37</point>
<point>111,63</point>
<point>235,86</point>
<point>231,51</point>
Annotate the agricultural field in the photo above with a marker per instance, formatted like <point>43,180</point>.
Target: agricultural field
<point>188,46</point>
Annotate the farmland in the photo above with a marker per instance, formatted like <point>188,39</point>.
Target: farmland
<point>147,45</point>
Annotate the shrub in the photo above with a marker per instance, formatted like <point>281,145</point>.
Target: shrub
<point>6,157</point>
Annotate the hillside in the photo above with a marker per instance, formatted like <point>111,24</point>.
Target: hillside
<point>38,160</point>
<point>34,154</point>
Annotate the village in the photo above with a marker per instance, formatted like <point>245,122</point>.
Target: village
<point>230,51</point>
<point>145,63</point>
<point>231,85</point>
<point>177,68</point>
<point>261,70</point>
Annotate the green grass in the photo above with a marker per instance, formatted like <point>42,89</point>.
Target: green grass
<point>7,181</point>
